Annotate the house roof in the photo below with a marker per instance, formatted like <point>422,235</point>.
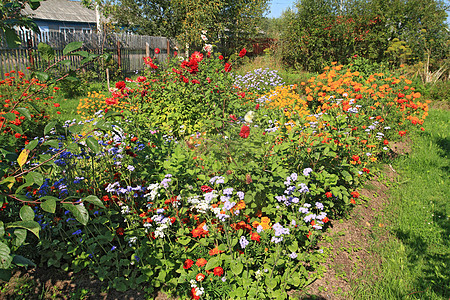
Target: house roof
<point>62,10</point>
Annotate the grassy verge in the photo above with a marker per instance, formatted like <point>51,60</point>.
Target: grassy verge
<point>416,254</point>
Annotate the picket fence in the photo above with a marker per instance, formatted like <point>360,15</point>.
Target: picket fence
<point>127,50</point>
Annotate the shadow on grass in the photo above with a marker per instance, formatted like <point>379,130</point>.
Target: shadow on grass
<point>435,273</point>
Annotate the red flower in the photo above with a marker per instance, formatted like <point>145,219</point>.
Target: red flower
<point>201,262</point>
<point>255,237</point>
<point>120,85</point>
<point>328,194</point>
<point>245,132</point>
<point>141,79</point>
<point>227,67</point>
<point>206,189</point>
<point>218,271</point>
<point>197,56</point>
<point>243,52</point>
<point>355,194</point>
<point>188,264</point>
<point>157,51</point>
<point>193,295</point>
<point>199,277</point>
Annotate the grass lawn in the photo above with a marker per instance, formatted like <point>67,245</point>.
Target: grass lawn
<point>416,254</point>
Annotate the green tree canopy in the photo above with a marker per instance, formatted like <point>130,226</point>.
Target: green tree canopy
<point>228,21</point>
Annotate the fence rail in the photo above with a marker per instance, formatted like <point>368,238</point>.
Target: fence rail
<point>126,49</point>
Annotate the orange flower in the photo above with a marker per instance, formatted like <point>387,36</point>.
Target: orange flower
<point>201,262</point>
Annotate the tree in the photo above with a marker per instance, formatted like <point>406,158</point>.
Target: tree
<point>229,21</point>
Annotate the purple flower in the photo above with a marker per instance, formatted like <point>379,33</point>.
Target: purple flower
<point>228,191</point>
<point>319,205</point>
<point>243,241</point>
<point>307,171</point>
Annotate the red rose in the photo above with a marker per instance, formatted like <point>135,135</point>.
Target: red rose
<point>218,271</point>
<point>227,67</point>
<point>157,51</point>
<point>245,132</point>
<point>188,264</point>
<point>243,52</point>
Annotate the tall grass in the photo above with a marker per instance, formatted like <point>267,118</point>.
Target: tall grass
<point>416,255</point>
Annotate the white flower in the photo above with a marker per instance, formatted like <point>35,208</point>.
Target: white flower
<point>208,47</point>
<point>249,116</point>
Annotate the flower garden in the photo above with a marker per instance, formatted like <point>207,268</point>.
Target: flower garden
<point>190,179</point>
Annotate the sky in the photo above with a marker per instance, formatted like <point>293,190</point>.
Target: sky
<point>278,6</point>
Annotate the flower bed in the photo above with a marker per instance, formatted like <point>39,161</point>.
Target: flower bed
<point>201,188</point>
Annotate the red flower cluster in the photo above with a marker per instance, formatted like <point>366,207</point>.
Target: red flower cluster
<point>245,132</point>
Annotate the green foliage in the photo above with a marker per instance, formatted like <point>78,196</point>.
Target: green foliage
<point>323,31</point>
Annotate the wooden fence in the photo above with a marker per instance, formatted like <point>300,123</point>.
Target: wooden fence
<point>127,50</point>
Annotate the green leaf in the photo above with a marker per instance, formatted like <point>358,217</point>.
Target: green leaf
<point>24,111</point>
<point>16,128</point>
<point>10,116</point>
<point>5,258</point>
<point>41,76</point>
<point>81,53</point>
<point>52,143</point>
<point>49,127</point>
<point>35,177</point>
<point>79,212</point>
<point>21,235</point>
<point>21,261</point>
<point>65,62</point>
<point>12,39</point>
<point>237,268</point>
<point>72,47</point>
<point>29,225</point>
<point>5,274</point>
<point>32,144</point>
<point>94,200</point>
<point>212,263</point>
<point>92,143</point>
<point>26,213</point>
<point>49,205</point>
